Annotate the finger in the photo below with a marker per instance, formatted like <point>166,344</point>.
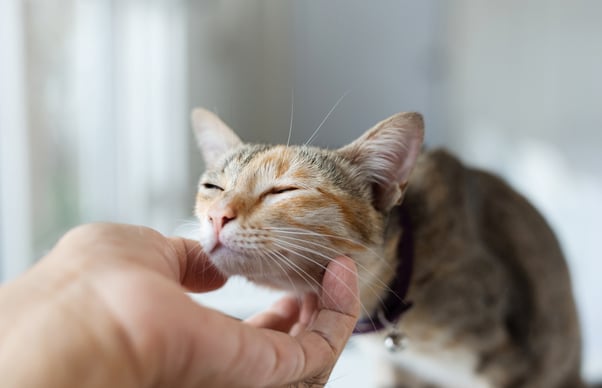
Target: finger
<point>340,290</point>
<point>197,273</point>
<point>281,316</point>
<point>310,308</point>
<point>308,313</point>
<point>338,313</point>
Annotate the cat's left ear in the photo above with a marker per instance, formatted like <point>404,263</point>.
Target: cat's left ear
<point>213,136</point>
<point>385,156</point>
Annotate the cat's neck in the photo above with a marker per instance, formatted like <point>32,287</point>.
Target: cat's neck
<point>398,251</point>
<point>378,275</point>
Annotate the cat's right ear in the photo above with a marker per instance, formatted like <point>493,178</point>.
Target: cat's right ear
<point>386,154</point>
<point>213,136</point>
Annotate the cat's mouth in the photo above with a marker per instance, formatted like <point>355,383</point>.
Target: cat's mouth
<point>217,246</point>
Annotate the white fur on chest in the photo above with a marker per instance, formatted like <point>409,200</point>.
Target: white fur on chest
<point>446,368</point>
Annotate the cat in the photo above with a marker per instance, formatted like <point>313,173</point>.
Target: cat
<point>460,274</point>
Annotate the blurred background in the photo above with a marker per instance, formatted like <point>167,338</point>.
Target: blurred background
<point>95,97</point>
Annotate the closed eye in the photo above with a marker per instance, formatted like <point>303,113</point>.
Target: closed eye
<point>211,186</point>
<point>281,190</point>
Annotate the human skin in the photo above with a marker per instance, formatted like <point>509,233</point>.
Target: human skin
<point>107,307</point>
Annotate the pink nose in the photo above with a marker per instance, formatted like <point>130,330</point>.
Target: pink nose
<point>220,216</point>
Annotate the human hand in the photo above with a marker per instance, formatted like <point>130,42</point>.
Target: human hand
<point>107,307</point>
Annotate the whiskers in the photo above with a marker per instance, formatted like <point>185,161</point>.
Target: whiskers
<point>290,233</point>
<point>290,129</point>
<point>188,229</point>
<point>313,135</point>
<point>301,244</point>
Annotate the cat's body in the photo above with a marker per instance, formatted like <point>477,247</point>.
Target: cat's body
<point>491,293</point>
<point>492,300</point>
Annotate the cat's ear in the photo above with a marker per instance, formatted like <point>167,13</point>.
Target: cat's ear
<point>213,136</point>
<point>385,156</point>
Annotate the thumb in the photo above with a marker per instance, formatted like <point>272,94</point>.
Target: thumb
<point>325,338</point>
<point>339,305</point>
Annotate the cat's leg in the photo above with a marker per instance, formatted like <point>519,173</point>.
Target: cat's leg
<point>506,367</point>
<point>509,366</point>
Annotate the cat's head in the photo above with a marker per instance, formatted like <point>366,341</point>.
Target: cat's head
<point>278,214</point>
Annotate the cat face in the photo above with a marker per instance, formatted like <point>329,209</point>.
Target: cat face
<point>278,214</point>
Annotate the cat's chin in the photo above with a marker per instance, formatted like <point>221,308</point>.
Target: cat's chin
<point>229,262</point>
<point>232,263</point>
<point>296,286</point>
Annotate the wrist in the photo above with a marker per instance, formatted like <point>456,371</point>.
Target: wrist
<point>59,337</point>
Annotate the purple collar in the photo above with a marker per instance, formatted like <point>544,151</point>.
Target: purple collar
<point>394,304</point>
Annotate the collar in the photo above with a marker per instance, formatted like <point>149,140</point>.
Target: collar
<point>394,305</point>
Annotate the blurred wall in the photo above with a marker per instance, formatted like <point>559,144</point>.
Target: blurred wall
<point>527,71</point>
<point>241,63</point>
<point>255,62</point>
